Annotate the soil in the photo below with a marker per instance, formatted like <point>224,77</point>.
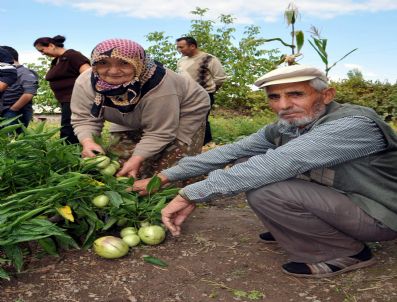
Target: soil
<point>219,257</point>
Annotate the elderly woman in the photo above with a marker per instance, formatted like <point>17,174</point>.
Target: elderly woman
<point>163,112</point>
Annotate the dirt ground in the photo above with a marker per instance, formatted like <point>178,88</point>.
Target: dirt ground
<point>219,257</point>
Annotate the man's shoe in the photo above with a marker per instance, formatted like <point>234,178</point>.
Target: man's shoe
<point>332,267</point>
<point>267,237</point>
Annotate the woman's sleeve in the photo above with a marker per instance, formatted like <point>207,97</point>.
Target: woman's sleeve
<point>160,121</point>
<point>84,125</point>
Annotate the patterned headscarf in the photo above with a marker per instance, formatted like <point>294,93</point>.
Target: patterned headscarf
<point>125,96</point>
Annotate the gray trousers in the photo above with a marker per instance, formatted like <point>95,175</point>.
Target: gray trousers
<point>314,223</point>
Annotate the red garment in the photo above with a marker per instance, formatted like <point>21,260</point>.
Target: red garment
<point>64,72</point>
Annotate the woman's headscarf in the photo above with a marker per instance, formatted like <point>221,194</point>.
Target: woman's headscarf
<point>124,97</point>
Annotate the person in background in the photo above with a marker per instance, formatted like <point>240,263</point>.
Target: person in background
<point>204,68</point>
<point>8,73</point>
<point>17,99</point>
<point>66,66</point>
<point>322,179</point>
<point>164,112</point>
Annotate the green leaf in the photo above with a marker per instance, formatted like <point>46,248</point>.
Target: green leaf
<point>323,58</point>
<point>4,275</point>
<point>48,246</point>
<point>109,223</point>
<point>115,198</point>
<point>280,40</point>
<point>341,59</point>
<point>153,185</point>
<point>14,253</point>
<point>154,261</point>
<point>300,39</point>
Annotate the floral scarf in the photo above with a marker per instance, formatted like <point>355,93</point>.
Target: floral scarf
<point>126,96</point>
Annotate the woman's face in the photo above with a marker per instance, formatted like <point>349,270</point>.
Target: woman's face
<point>115,71</point>
<point>46,50</point>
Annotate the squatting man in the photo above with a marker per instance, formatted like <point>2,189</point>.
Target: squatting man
<point>322,179</point>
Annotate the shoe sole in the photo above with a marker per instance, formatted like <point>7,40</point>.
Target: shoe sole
<point>353,267</point>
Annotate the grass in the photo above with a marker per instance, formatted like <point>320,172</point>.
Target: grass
<point>225,128</point>
<point>228,128</point>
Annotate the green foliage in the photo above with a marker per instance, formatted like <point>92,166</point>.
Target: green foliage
<point>163,49</point>
<point>382,97</point>
<point>243,61</point>
<point>44,96</point>
<point>228,128</point>
<point>47,192</point>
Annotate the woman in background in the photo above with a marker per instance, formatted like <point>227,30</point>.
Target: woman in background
<point>65,68</point>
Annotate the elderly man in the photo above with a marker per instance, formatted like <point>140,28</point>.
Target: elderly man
<point>322,179</point>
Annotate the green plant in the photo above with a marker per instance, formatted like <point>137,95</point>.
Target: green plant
<point>291,14</point>
<point>320,46</point>
<point>382,97</point>
<point>45,96</point>
<point>226,129</point>
<point>46,192</point>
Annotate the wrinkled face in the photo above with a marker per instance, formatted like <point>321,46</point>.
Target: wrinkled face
<point>46,50</point>
<point>185,49</point>
<point>298,104</point>
<point>115,71</point>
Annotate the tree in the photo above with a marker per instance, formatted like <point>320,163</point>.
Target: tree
<point>244,61</point>
<point>45,96</point>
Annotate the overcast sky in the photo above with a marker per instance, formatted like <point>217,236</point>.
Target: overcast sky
<point>369,25</point>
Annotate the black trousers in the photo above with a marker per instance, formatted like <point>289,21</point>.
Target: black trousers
<point>66,126</point>
<point>208,134</point>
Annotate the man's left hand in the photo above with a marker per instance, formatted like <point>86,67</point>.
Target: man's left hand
<point>175,213</point>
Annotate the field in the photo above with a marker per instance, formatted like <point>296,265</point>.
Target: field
<point>219,257</point>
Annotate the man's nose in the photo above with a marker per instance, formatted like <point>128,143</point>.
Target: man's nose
<point>284,102</point>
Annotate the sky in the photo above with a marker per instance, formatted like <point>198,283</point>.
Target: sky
<point>369,25</point>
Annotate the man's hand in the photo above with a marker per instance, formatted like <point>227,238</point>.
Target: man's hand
<point>175,213</point>
<point>90,148</point>
<point>131,166</point>
<point>140,185</point>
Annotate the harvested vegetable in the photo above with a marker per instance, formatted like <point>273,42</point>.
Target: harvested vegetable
<point>101,201</point>
<point>131,239</point>
<point>152,234</point>
<point>110,247</point>
<point>128,231</point>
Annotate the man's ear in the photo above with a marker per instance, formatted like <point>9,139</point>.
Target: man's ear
<point>329,95</point>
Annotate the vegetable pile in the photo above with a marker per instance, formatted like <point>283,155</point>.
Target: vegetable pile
<point>49,195</point>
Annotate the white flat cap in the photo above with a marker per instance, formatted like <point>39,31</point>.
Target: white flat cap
<point>290,74</point>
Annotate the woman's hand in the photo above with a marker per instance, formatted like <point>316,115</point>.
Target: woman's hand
<point>131,166</point>
<point>90,148</point>
<point>175,213</point>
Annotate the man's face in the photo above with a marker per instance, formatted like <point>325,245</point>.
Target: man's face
<point>298,104</point>
<point>185,49</point>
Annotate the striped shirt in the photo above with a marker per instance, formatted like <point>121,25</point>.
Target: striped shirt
<point>325,145</point>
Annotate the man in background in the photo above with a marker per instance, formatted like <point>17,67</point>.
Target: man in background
<point>204,68</point>
<point>8,74</point>
<point>17,98</point>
